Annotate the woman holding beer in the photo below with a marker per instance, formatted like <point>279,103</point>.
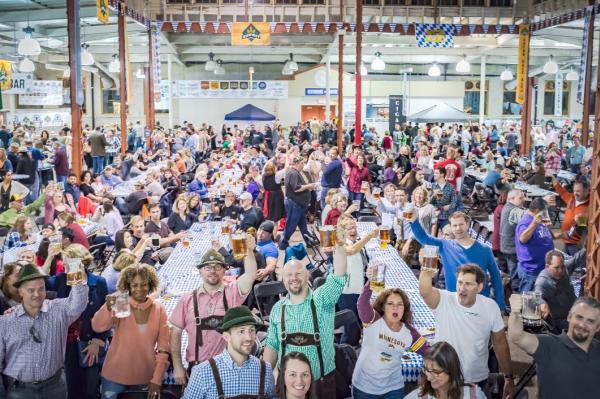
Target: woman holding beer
<point>139,352</point>
<point>339,207</point>
<point>385,203</point>
<point>356,271</point>
<point>387,337</point>
<point>180,219</point>
<point>359,179</point>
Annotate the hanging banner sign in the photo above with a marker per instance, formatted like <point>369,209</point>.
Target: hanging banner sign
<point>583,54</point>
<point>251,33</point>
<point>274,89</point>
<point>21,83</point>
<point>522,63</point>
<point>434,35</point>
<point>396,110</point>
<point>558,95</point>
<point>44,92</point>
<point>317,91</point>
<point>102,11</point>
<point>5,75</point>
<point>156,79</point>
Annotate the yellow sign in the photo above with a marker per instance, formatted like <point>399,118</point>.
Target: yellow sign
<point>251,34</point>
<point>522,63</point>
<point>5,75</point>
<point>102,11</point>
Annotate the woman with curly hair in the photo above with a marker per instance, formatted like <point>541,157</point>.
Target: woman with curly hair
<point>139,352</point>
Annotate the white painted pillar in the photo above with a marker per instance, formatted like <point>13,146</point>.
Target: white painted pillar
<point>482,91</point>
<point>328,88</point>
<point>170,102</point>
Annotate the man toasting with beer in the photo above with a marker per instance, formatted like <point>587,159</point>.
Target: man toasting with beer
<point>201,312</point>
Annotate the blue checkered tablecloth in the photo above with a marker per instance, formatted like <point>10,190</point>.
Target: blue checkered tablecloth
<point>399,275</point>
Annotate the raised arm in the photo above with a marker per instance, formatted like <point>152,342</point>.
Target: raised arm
<point>245,281</point>
<point>524,340</point>
<point>430,294</point>
<point>366,313</point>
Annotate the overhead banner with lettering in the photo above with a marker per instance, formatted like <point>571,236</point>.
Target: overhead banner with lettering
<point>273,89</point>
<point>522,63</point>
<point>434,35</point>
<point>558,94</point>
<point>583,54</point>
<point>102,11</point>
<point>251,34</point>
<point>44,92</point>
<point>397,116</point>
<point>21,83</point>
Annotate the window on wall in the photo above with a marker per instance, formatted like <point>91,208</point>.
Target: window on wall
<point>109,98</point>
<point>471,101</point>
<point>549,96</point>
<point>509,103</point>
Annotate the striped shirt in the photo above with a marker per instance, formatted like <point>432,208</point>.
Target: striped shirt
<point>298,318</point>
<point>26,360</point>
<point>236,380</point>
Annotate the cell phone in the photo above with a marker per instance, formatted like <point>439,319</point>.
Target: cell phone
<point>156,242</point>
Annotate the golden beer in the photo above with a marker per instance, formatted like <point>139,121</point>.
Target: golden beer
<point>75,278</point>
<point>377,282</point>
<point>430,262</point>
<point>185,242</point>
<point>328,238</point>
<point>376,194</point>
<point>238,245</point>
<point>225,228</point>
<point>364,187</point>
<point>384,236</point>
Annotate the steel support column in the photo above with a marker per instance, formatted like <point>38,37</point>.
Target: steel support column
<point>587,82</point>
<point>340,109</point>
<point>151,116</point>
<point>358,76</point>
<point>73,31</point>
<point>122,77</point>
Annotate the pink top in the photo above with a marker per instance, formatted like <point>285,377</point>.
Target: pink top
<point>138,353</point>
<point>182,317</point>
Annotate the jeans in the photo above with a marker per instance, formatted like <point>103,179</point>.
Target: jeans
<point>121,206</point>
<point>61,179</point>
<point>55,388</point>
<point>511,264</point>
<point>396,394</point>
<point>98,164</point>
<point>351,335</point>
<point>82,382</point>
<point>296,217</point>
<point>110,389</point>
<point>527,280</point>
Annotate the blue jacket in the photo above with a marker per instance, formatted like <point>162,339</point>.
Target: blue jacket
<point>198,187</point>
<point>454,255</point>
<point>96,297</point>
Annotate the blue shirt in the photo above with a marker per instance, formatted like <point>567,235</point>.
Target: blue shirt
<point>332,175</point>
<point>576,154</point>
<point>532,254</point>
<point>491,178</point>
<point>455,255</point>
<point>268,249</point>
<point>236,380</point>
<point>73,190</point>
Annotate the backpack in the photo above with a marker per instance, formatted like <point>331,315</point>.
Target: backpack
<point>345,361</point>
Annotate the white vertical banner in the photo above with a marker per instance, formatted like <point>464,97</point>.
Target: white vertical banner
<point>558,94</point>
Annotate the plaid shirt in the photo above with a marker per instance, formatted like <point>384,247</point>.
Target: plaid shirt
<point>298,318</point>
<point>13,240</point>
<point>236,380</point>
<point>449,198</point>
<point>552,163</point>
<point>24,359</point>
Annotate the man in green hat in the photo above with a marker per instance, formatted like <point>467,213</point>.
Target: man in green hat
<point>17,207</point>
<point>200,312</point>
<point>34,328</point>
<point>235,372</point>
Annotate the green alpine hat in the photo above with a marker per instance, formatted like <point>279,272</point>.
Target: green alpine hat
<point>212,257</point>
<point>29,272</point>
<point>238,316</point>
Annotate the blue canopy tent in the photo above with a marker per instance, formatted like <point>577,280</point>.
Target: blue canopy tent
<point>249,113</point>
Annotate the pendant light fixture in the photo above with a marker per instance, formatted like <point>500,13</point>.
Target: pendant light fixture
<point>463,65</point>
<point>28,46</point>
<point>291,64</point>
<point>115,64</point>
<point>377,64</point>
<point>506,75</point>
<point>26,66</point>
<point>434,70</point>
<point>210,65</point>
<point>572,75</point>
<point>219,70</point>
<point>87,58</point>
<point>551,67</point>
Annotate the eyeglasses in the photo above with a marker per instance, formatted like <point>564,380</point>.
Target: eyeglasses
<point>425,370</point>
<point>35,335</point>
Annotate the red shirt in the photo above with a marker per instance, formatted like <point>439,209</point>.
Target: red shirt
<point>387,143</point>
<point>357,176</point>
<point>453,171</point>
<point>80,236</point>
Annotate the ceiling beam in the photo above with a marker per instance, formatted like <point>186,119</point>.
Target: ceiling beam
<point>165,40</point>
<point>55,14</point>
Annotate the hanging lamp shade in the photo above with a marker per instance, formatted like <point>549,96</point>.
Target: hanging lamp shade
<point>210,65</point>
<point>28,46</point>
<point>551,67</point>
<point>572,75</point>
<point>434,70</point>
<point>87,58</point>
<point>377,64</point>
<point>26,66</point>
<point>463,66</point>
<point>506,75</point>
<point>115,65</point>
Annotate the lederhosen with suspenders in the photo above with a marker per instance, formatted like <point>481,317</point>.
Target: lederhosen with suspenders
<point>306,339</point>
<point>219,383</point>
<point>207,323</point>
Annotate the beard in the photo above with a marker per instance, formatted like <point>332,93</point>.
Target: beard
<point>296,289</point>
<point>579,337</point>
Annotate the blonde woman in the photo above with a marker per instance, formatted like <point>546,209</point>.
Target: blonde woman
<point>180,219</point>
<point>5,163</point>
<point>328,206</point>
<point>22,233</point>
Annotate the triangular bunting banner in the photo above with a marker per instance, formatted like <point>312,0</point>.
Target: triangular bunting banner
<point>339,25</point>
<point>405,28</point>
<point>326,25</point>
<point>458,28</point>
<point>485,28</point>
<point>392,27</point>
<point>366,27</point>
<point>313,27</point>
<point>498,28</point>
<point>288,26</point>
<point>188,26</point>
<point>273,26</point>
<point>380,27</point>
<point>301,26</point>
<point>472,28</point>
<point>203,26</point>
<point>512,28</point>
<point>159,25</point>
<point>352,27</point>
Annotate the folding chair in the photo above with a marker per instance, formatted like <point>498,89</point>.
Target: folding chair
<point>370,218</point>
<point>347,319</point>
<point>476,227</point>
<point>269,289</point>
<point>319,281</point>
<point>99,260</point>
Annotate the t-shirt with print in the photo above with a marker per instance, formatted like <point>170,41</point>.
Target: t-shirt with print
<point>378,369</point>
<point>468,331</point>
<point>470,392</point>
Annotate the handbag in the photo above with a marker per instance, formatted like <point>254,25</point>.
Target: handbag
<point>83,363</point>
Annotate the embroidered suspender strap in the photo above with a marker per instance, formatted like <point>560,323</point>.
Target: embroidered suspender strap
<point>225,305</point>
<point>263,372</point>
<point>313,308</point>
<point>218,382</point>
<point>283,333</point>
<point>197,320</point>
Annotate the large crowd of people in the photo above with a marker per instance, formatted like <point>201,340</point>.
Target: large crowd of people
<point>430,186</point>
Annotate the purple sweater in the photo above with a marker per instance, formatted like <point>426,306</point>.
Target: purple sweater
<point>368,315</point>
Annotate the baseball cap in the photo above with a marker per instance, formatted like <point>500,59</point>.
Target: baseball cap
<point>267,226</point>
<point>245,196</point>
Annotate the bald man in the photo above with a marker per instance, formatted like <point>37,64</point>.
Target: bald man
<point>304,320</point>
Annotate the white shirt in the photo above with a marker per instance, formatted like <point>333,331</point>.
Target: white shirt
<point>466,394</point>
<point>378,369</point>
<point>468,331</point>
<point>356,274</point>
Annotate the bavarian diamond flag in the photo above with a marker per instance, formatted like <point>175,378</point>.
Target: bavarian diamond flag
<point>434,35</point>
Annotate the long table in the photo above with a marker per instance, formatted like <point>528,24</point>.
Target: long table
<point>531,190</point>
<point>399,275</point>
